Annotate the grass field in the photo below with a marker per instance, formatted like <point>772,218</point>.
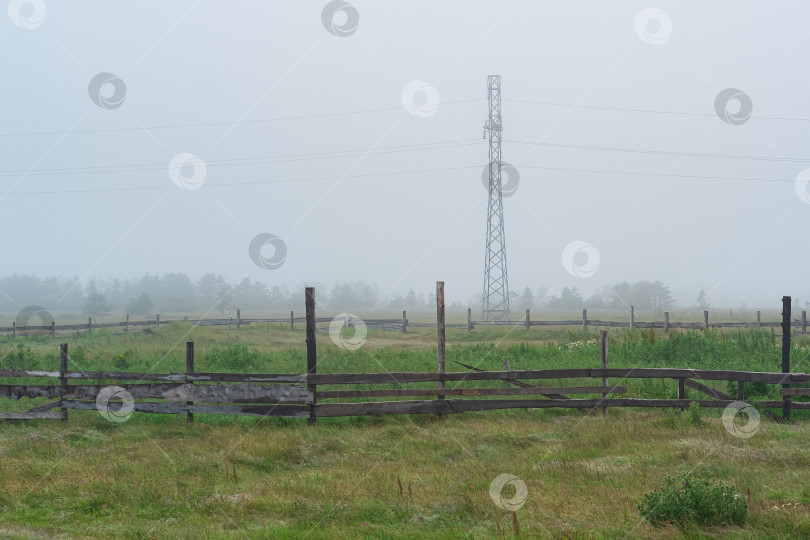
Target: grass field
<point>409,476</point>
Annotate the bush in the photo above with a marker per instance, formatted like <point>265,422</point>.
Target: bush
<point>20,357</point>
<point>695,501</point>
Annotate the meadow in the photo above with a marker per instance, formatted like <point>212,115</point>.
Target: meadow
<point>406,476</point>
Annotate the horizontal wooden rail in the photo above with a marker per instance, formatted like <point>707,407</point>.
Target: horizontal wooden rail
<point>533,390</point>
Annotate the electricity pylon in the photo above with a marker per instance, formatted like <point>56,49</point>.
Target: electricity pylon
<point>496,284</point>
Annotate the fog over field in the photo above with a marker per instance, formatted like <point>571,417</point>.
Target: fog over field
<point>170,137</point>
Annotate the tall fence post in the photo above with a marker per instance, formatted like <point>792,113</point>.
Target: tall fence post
<point>440,335</point>
<point>604,346</point>
<point>584,321</point>
<point>666,322</point>
<point>528,318</point>
<point>63,367</point>
<point>469,320</point>
<point>13,329</point>
<point>632,317</point>
<point>404,322</point>
<point>292,321</point>
<point>312,358</point>
<point>705,320</point>
<point>189,369</point>
<point>238,319</point>
<point>759,323</point>
<point>681,390</point>
<point>53,328</point>
<point>90,325</point>
<point>157,319</point>
<point>804,322</point>
<point>786,352</point>
<point>126,325</point>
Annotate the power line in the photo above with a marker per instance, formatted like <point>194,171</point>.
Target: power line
<point>223,123</point>
<point>662,152</point>
<point>659,175</point>
<point>246,183</point>
<point>649,111</point>
<point>335,154</point>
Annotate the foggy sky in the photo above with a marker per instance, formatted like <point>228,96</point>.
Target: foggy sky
<point>236,67</point>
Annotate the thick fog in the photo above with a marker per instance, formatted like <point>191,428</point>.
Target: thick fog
<point>344,143</point>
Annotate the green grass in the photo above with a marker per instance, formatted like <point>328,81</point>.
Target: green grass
<point>156,476</point>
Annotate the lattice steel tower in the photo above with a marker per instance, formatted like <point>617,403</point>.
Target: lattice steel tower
<point>496,284</point>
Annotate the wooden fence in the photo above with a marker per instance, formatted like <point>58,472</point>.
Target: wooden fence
<point>302,395</point>
<point>402,324</point>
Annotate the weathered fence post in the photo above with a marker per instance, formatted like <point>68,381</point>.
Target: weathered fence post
<point>13,329</point>
<point>126,325</point>
<point>312,358</point>
<point>292,321</point>
<point>759,324</point>
<point>53,328</point>
<point>157,319</point>
<point>666,322</point>
<point>740,390</point>
<point>604,347</point>
<point>404,321</point>
<point>705,320</point>
<point>528,319</point>
<point>469,320</point>
<point>681,390</point>
<point>440,336</point>
<point>632,317</point>
<point>786,352</point>
<point>63,367</point>
<point>804,322</point>
<point>584,321</point>
<point>90,325</point>
<point>189,369</point>
<point>238,319</point>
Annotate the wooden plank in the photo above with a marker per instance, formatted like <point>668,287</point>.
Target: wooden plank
<point>138,391</point>
<point>289,411</point>
<point>182,377</point>
<point>711,392</point>
<point>240,393</point>
<point>63,367</point>
<point>514,381</point>
<point>462,405</point>
<point>471,392</point>
<point>189,369</point>
<point>781,404</point>
<point>440,336</point>
<point>312,353</point>
<point>794,392</point>
<point>603,346</point>
<point>46,407</point>
<point>31,416</point>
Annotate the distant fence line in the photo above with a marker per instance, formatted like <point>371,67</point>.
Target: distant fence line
<point>402,324</point>
<point>300,395</point>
